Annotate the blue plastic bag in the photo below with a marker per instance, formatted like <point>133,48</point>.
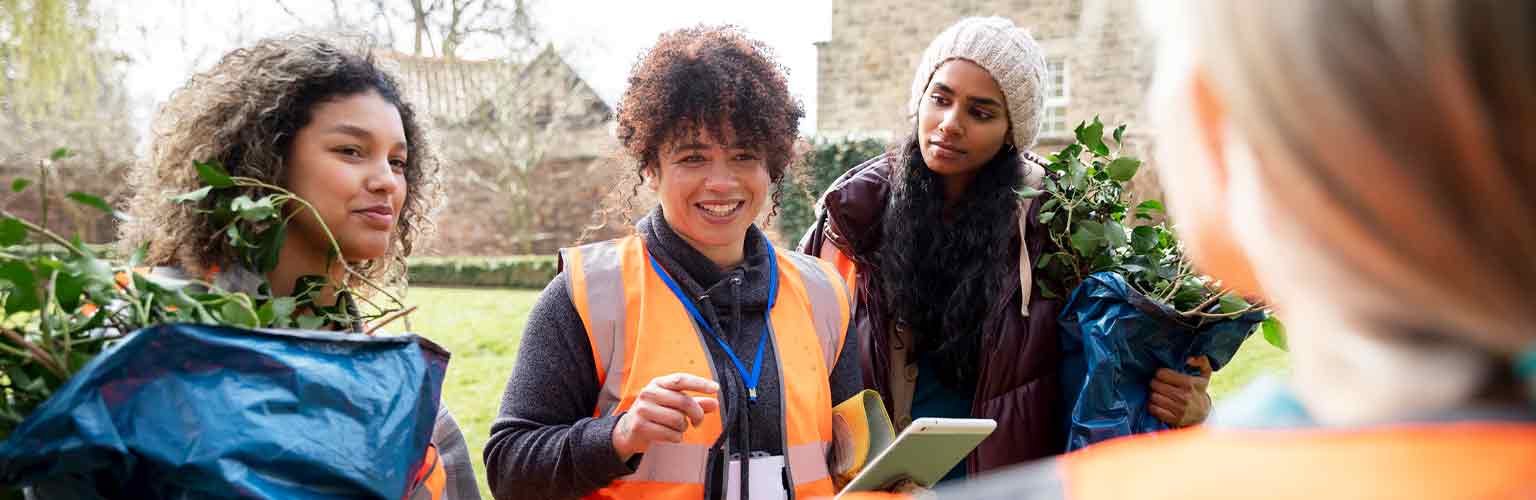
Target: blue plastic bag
<point>1114,339</point>
<point>190,411</point>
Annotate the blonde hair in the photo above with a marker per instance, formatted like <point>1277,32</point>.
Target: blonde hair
<point>244,113</point>
<point>1403,131</point>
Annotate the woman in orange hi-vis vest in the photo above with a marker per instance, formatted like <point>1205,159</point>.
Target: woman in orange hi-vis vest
<point>1369,167</point>
<point>691,359</point>
<point>322,119</point>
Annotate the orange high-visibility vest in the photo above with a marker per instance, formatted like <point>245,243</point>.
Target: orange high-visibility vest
<point>431,479</point>
<point>1445,460</point>
<point>1442,461</point>
<point>845,266</point>
<point>639,331</point>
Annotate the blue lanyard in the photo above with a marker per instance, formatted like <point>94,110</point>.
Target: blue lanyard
<point>752,377</point>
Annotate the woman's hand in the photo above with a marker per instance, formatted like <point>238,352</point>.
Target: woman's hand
<point>1181,400</point>
<point>662,412</point>
<point>909,489</point>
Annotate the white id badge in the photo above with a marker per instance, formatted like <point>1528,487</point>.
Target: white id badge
<point>767,475</point>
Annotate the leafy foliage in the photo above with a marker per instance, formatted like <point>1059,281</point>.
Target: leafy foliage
<point>827,160</point>
<point>61,306</point>
<point>530,271</point>
<point>1095,230</point>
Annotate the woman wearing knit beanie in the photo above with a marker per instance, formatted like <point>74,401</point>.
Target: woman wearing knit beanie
<point>935,241</point>
<point>1390,221</point>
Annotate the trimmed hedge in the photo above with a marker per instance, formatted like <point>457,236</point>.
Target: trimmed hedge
<point>529,271</point>
<point>524,271</point>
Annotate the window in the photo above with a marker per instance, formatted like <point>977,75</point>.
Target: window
<point>1058,94</point>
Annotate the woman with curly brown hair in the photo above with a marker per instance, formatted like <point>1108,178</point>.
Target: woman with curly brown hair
<point>661,364</point>
<point>320,120</point>
<point>247,113</point>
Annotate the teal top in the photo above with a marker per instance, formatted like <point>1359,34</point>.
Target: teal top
<point>932,399</point>
<point>1269,404</point>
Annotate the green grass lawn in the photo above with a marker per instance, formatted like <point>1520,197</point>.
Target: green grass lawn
<point>482,326</point>
<point>1254,359</point>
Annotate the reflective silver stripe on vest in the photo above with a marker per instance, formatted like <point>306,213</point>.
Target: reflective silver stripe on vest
<point>672,463</point>
<point>826,311</point>
<point>808,462</point>
<point>602,270</point>
<point>685,463</point>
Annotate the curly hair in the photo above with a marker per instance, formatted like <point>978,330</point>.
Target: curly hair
<point>941,279</point>
<point>709,79</point>
<point>244,113</point>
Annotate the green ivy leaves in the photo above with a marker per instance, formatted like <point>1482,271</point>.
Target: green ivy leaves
<point>1122,169</point>
<point>1274,333</point>
<point>1086,213</point>
<point>12,231</point>
<point>213,174</point>
<point>20,286</point>
<point>1088,238</point>
<point>60,297</point>
<point>1091,136</point>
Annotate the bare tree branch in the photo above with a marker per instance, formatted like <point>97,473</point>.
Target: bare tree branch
<point>419,20</point>
<point>381,16</point>
<point>283,5</point>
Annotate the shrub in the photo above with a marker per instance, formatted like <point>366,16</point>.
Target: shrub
<point>508,272</point>
<point>828,159</point>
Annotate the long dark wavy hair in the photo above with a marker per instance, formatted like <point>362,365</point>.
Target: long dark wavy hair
<point>941,275</point>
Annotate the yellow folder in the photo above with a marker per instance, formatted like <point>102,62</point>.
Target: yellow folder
<point>861,429</point>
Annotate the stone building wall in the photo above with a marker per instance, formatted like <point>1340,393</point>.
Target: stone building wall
<point>1103,55</point>
<point>866,68</point>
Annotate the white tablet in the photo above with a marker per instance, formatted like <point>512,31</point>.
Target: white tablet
<point>924,452</point>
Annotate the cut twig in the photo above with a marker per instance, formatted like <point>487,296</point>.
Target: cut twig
<point>42,187</point>
<point>388,319</point>
<point>1208,301</point>
<point>13,351</point>
<point>37,353</point>
<point>1178,281</point>
<point>48,301</point>
<point>45,232</point>
<point>1234,314</point>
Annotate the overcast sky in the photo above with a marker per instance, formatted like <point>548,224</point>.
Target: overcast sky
<point>168,39</point>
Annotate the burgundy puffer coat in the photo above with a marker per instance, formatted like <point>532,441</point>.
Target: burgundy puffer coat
<point>1019,382</point>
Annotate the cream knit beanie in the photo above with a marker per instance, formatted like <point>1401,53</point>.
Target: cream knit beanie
<point>1004,50</point>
